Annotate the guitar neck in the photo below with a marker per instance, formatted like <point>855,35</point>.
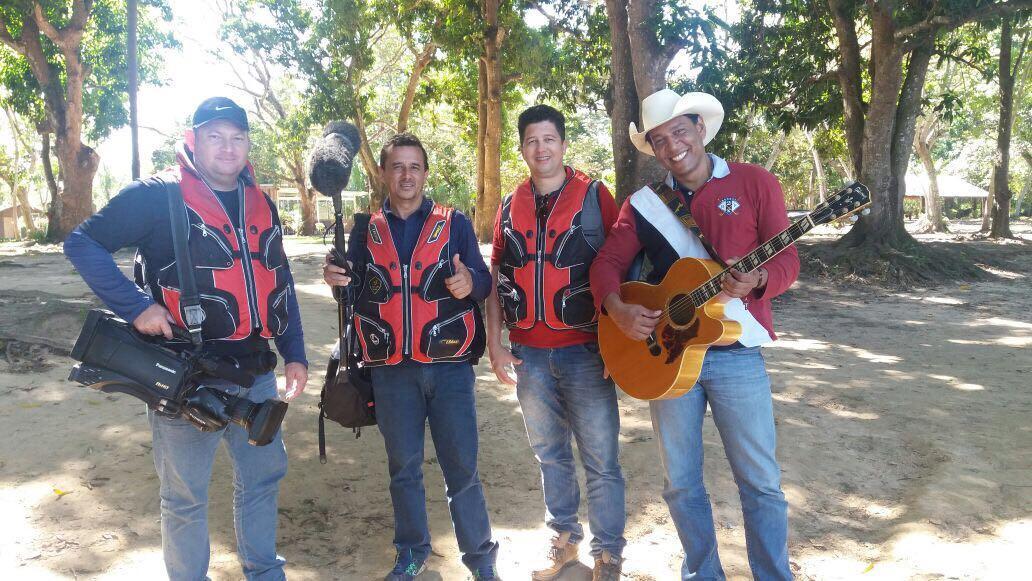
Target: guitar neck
<point>756,258</point>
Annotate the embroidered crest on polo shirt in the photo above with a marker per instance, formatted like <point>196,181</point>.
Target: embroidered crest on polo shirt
<point>728,205</point>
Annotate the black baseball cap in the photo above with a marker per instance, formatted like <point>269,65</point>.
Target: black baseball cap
<point>220,108</point>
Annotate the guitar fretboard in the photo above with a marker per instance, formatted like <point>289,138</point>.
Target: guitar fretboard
<point>754,259</point>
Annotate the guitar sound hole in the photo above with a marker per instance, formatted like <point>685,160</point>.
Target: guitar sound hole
<point>681,310</point>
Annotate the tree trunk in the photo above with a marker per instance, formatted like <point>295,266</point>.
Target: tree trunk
<point>133,65</point>
<point>305,194</point>
<point>489,191</point>
<point>625,104</point>
<point>884,224</point>
<point>21,196</point>
<point>818,169</point>
<point>850,81</point>
<point>775,151</point>
<point>1000,210</point>
<point>638,69</point>
<point>926,134</point>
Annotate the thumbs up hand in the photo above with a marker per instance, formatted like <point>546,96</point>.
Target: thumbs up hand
<point>459,284</point>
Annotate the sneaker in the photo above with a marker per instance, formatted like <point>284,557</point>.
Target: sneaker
<point>560,554</point>
<point>607,567</point>
<point>485,574</point>
<point>405,569</point>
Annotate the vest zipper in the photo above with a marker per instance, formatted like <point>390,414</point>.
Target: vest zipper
<point>539,290</point>
<point>245,254</point>
<point>245,259</point>
<point>406,309</point>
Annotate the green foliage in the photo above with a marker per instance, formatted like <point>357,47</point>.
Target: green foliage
<point>103,53</point>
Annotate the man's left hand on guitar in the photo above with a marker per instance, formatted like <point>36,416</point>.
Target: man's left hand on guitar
<point>737,284</point>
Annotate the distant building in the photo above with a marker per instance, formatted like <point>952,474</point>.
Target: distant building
<point>10,221</point>
<point>289,204</point>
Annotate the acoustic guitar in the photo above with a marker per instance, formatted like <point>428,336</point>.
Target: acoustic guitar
<point>667,363</point>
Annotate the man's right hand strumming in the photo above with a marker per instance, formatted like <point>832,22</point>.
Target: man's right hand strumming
<point>636,321</point>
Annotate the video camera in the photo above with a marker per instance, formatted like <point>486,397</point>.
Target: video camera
<point>167,375</point>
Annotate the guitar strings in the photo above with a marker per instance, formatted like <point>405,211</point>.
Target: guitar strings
<point>697,298</point>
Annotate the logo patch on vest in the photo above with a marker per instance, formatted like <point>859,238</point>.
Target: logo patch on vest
<point>436,232</point>
<point>374,233</point>
<point>728,206</point>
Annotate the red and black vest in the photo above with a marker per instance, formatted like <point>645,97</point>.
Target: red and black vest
<point>405,310</point>
<point>241,274</point>
<point>543,275</point>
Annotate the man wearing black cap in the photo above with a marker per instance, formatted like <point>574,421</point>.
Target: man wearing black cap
<point>247,294</point>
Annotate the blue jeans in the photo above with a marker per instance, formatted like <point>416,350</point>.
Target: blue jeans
<point>735,384</point>
<point>183,457</point>
<point>408,395</point>
<point>562,393</point>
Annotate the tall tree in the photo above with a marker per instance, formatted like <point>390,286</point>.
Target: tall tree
<point>70,69</point>
<point>645,36</point>
<point>333,46</point>
<point>1010,65</point>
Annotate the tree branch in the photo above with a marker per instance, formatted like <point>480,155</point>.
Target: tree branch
<point>553,21</point>
<point>937,21</point>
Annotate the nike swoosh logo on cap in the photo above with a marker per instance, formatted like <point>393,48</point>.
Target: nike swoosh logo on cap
<point>223,108</point>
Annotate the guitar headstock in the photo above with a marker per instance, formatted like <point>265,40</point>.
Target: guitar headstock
<point>843,203</point>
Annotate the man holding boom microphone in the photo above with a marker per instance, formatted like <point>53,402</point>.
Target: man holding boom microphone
<point>419,275</point>
<point>247,295</point>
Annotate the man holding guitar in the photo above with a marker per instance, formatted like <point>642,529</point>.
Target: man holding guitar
<point>706,208</point>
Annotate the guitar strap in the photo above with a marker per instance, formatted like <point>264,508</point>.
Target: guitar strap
<point>675,202</point>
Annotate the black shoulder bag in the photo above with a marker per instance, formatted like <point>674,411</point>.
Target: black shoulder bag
<point>347,394</point>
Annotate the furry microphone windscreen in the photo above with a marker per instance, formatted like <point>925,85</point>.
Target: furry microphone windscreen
<point>331,159</point>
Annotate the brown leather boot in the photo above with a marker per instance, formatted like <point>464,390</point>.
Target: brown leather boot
<point>607,567</point>
<point>561,552</point>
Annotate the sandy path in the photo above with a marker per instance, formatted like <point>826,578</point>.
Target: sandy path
<point>903,421</point>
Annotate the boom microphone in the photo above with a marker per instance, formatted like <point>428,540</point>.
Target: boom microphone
<point>331,159</point>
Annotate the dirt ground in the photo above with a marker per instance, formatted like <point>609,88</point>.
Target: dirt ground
<point>903,422</point>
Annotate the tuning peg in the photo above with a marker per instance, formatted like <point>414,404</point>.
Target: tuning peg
<point>866,211</point>
<point>853,218</point>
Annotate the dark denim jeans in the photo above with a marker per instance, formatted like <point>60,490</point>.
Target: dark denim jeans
<point>562,394</point>
<point>407,396</point>
<point>735,384</point>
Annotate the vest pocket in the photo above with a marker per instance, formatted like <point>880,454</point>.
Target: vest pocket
<point>576,306</point>
<point>449,336</point>
<point>209,248</point>
<point>278,314</point>
<point>377,287</point>
<point>515,249</point>
<point>270,244</point>
<point>513,299</point>
<point>220,315</point>
<point>374,338</point>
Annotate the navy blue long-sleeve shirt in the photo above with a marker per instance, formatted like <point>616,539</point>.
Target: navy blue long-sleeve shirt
<point>139,217</point>
<point>405,233</point>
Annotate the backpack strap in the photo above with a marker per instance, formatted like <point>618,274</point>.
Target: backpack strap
<point>189,299</point>
<point>591,218</point>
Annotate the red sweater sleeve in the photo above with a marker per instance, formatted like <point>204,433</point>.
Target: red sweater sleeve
<point>616,255</point>
<point>783,269</point>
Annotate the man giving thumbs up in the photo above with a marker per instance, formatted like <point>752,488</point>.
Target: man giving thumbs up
<point>420,274</point>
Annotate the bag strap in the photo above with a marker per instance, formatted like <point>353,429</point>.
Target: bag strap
<point>675,202</point>
<point>591,218</point>
<point>189,299</point>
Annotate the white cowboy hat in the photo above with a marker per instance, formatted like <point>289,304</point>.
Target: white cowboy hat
<point>664,105</point>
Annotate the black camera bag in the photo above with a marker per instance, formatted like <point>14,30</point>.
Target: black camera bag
<point>347,393</point>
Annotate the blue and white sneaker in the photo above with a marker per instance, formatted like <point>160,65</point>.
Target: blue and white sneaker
<point>406,568</point>
<point>485,574</point>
